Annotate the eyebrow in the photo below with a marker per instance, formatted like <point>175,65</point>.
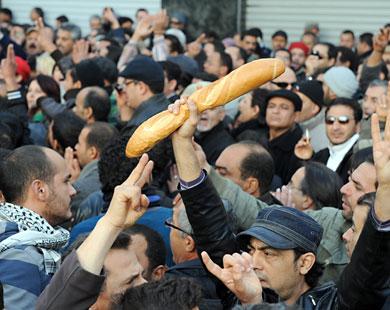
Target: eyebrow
<point>261,248</point>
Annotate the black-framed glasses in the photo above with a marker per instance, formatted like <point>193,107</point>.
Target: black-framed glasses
<point>342,119</point>
<point>284,84</point>
<point>169,223</point>
<point>317,54</point>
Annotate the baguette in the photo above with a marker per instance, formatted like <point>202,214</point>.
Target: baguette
<point>220,92</point>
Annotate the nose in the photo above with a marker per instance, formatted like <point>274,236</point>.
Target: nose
<point>72,190</point>
<point>345,189</point>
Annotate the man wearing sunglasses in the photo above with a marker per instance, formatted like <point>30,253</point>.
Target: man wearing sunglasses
<point>342,125</point>
<point>323,56</point>
<point>285,81</point>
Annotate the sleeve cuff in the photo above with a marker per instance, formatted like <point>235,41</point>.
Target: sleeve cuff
<point>379,226</point>
<point>187,185</point>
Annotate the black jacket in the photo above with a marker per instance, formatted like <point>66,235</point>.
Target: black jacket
<point>194,269</point>
<point>282,152</point>
<point>214,142</point>
<point>360,286</point>
<point>344,167</point>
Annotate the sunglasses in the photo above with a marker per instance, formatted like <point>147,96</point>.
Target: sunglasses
<point>284,84</point>
<point>169,223</point>
<point>342,119</point>
<point>317,54</point>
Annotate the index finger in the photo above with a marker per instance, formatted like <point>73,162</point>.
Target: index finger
<point>200,38</point>
<point>137,171</point>
<point>212,267</point>
<point>10,52</point>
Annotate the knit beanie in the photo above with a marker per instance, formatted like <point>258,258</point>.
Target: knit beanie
<point>342,81</point>
<point>313,90</point>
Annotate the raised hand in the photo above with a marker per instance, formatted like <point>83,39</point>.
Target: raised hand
<point>8,69</point>
<point>80,51</point>
<point>238,276</point>
<point>143,29</point>
<point>128,204</point>
<point>381,39</point>
<point>194,48</point>
<point>72,164</point>
<point>160,22</point>
<point>109,15</point>
<point>303,149</point>
<point>284,195</point>
<point>187,130</point>
<point>45,37</point>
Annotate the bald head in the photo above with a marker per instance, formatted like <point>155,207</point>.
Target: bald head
<point>93,104</point>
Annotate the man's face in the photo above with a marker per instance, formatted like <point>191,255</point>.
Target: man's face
<point>57,209</point>
<point>297,197</point>
<point>64,41</point>
<point>319,57</point>
<point>361,181</point>
<point>132,93</point>
<point>372,98</point>
<point>213,64</point>
<point>229,162</point>
<point>351,236</point>
<point>123,271</point>
<point>79,109</point>
<point>278,42</point>
<point>280,113</point>
<point>347,40</point>
<point>249,44</point>
<point>341,130</point>
<point>210,118</point>
<point>177,238</point>
<point>284,81</point>
<point>234,53</point>
<point>32,45</point>
<point>284,56</point>
<point>247,112</point>
<point>82,148</point>
<point>309,108</point>
<point>95,24</point>
<point>276,269</point>
<point>297,58</point>
<point>309,40</point>
<point>139,246</point>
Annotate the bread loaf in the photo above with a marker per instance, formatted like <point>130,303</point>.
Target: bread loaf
<point>220,92</point>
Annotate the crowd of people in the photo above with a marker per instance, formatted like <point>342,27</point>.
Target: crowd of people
<point>277,200</point>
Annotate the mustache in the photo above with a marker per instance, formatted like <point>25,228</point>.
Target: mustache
<point>261,275</point>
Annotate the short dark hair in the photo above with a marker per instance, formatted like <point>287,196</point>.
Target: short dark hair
<point>226,60</point>
<point>175,43</point>
<point>353,104</point>
<point>315,272</point>
<point>172,70</point>
<point>121,242</point>
<point>66,128</point>
<point>346,54</point>
<point>366,37</point>
<point>124,19</point>
<point>49,86</point>
<point>8,12</point>
<point>178,293</point>
<point>155,250</point>
<point>97,99</point>
<point>39,11</point>
<point>24,164</point>
<point>259,164</point>
<point>100,134</point>
<point>332,51</point>
<point>109,69</point>
<point>362,156</point>
<point>347,31</point>
<point>280,33</point>
<point>322,185</point>
<point>253,32</point>
<point>62,19</point>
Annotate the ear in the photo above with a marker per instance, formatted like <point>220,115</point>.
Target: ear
<point>77,84</point>
<point>305,263</point>
<point>40,190</point>
<point>143,88</point>
<point>251,186</point>
<point>172,85</point>
<point>256,109</point>
<point>189,244</point>
<point>88,114</point>
<point>315,109</point>
<point>159,272</point>
<point>93,153</point>
<point>307,203</point>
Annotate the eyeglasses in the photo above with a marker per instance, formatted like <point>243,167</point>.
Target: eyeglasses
<point>284,84</point>
<point>342,119</point>
<point>168,223</point>
<point>317,54</point>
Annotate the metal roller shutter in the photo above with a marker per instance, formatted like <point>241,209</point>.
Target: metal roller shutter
<point>77,11</point>
<point>333,16</point>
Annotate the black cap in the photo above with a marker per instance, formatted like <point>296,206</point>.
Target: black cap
<point>288,94</point>
<point>284,228</point>
<point>313,90</point>
<point>146,70</point>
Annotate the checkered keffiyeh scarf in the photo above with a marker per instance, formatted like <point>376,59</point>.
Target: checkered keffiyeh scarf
<point>35,231</point>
